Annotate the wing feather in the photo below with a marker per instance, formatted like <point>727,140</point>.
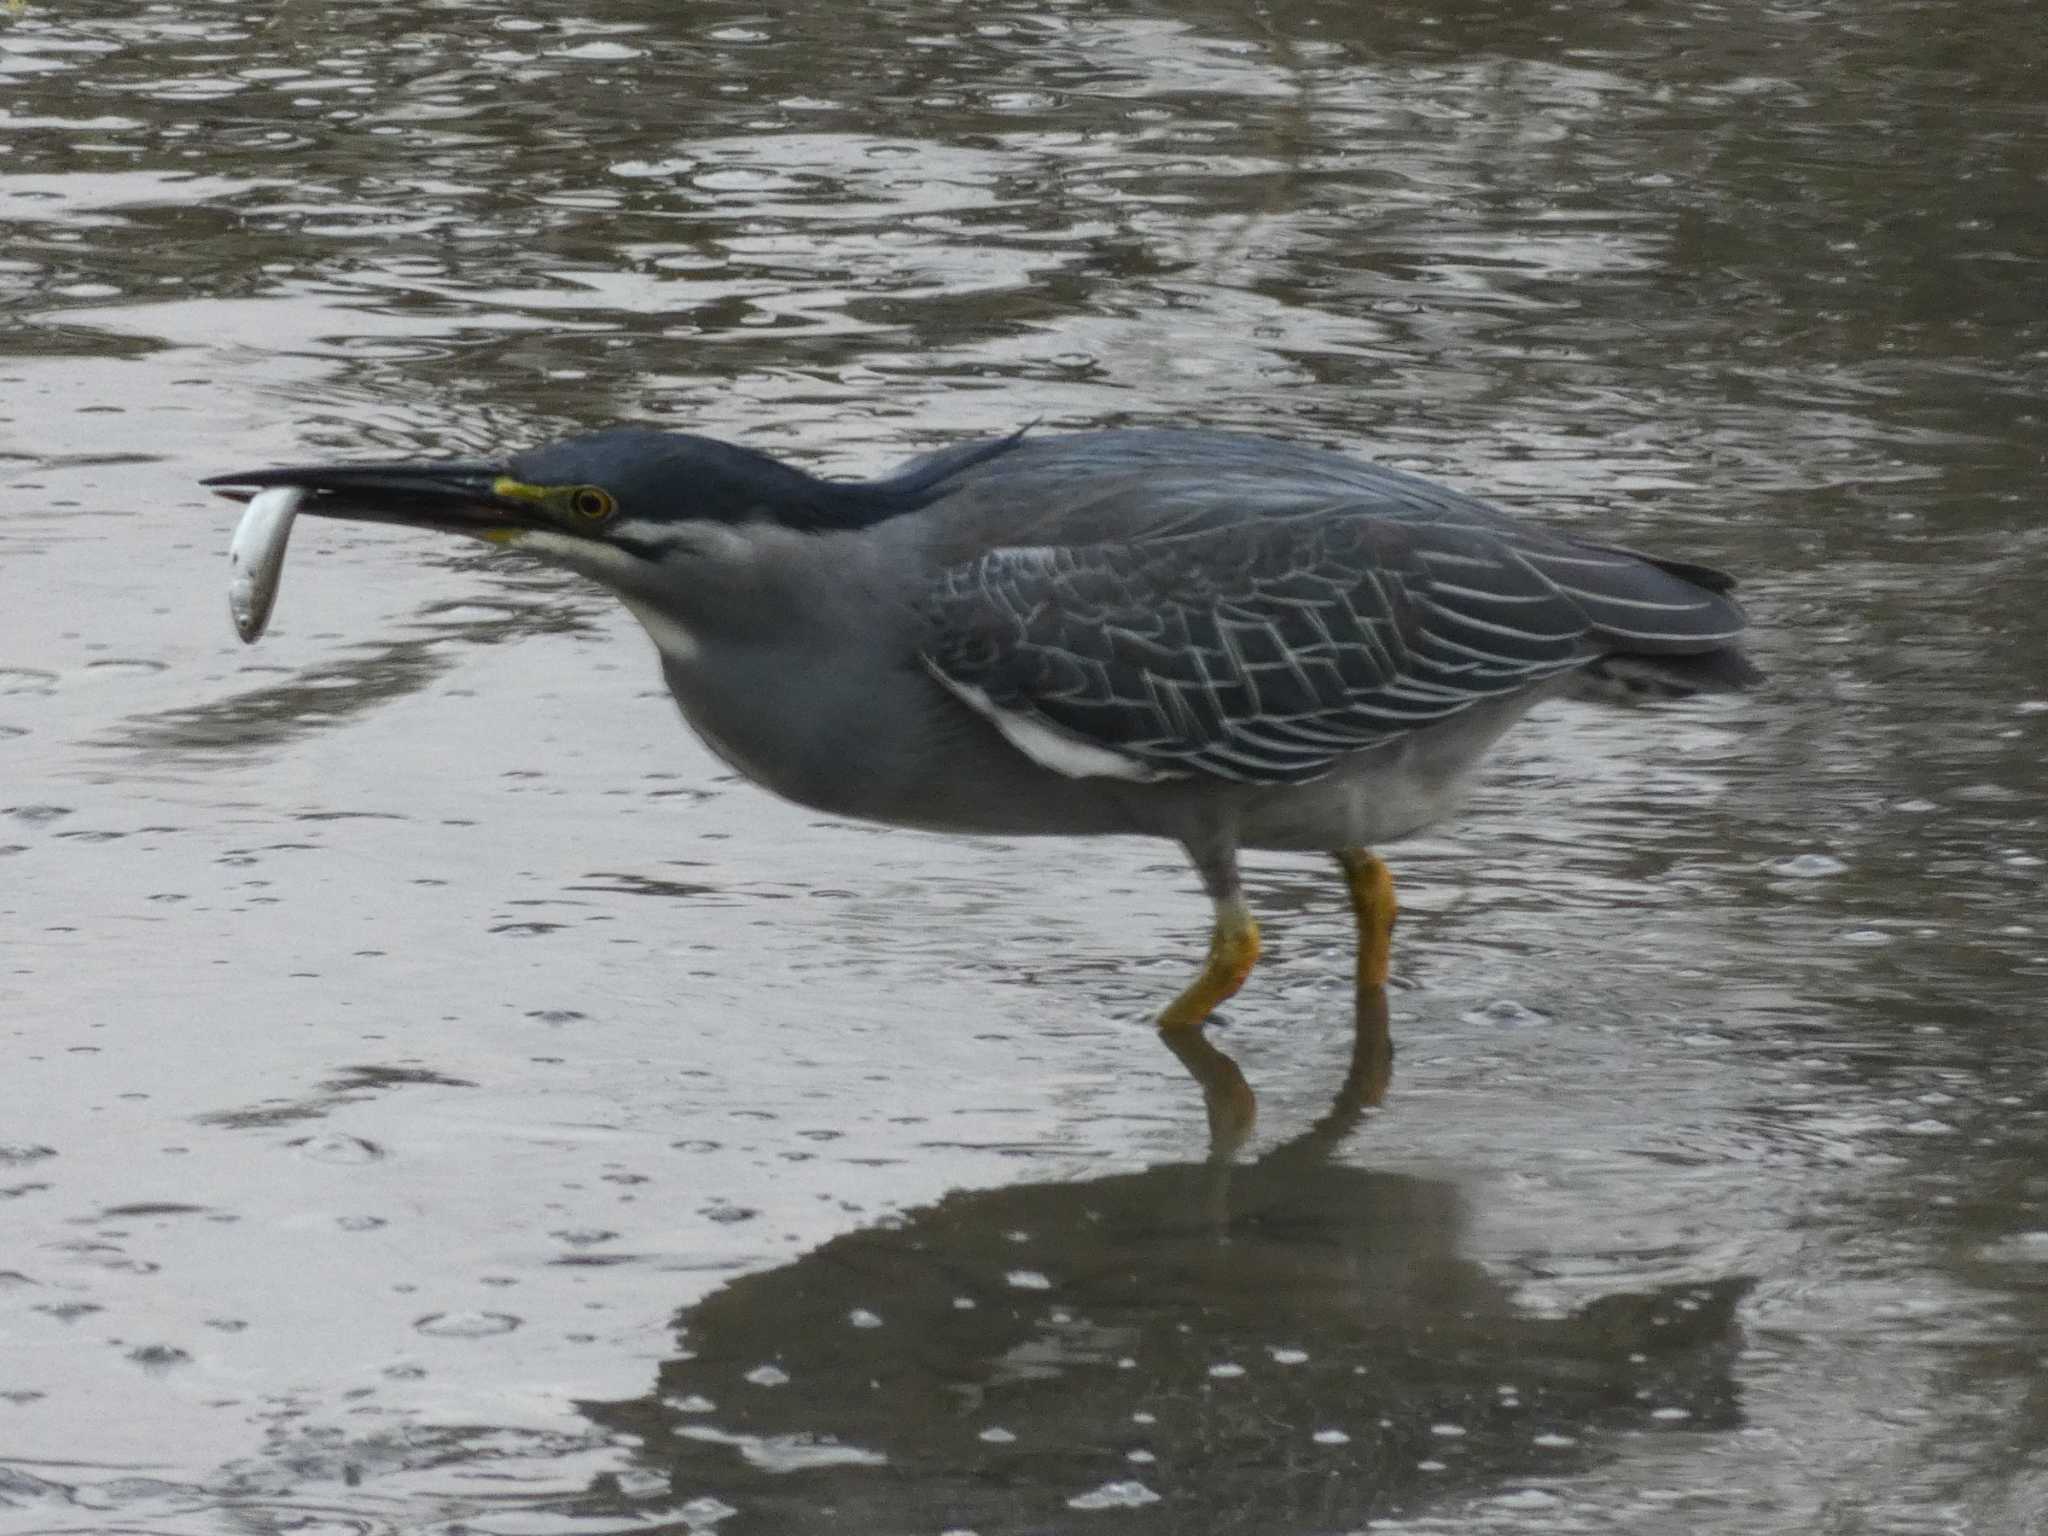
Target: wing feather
<point>1266,650</point>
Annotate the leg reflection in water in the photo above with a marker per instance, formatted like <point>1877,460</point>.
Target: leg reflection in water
<point>1234,1110</point>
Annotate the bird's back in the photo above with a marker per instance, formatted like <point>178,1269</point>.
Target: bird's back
<point>1126,486</point>
<point>1133,484</point>
<point>1654,624</point>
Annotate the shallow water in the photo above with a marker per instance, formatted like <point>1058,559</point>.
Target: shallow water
<point>438,1096</point>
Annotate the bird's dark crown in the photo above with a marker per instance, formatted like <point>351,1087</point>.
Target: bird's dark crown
<point>657,476</point>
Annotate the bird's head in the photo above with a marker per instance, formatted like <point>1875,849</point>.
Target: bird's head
<point>623,506</point>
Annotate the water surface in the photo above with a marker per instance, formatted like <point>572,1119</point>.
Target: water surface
<point>438,1096</point>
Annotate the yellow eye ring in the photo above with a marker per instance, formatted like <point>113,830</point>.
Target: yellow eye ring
<point>592,503</point>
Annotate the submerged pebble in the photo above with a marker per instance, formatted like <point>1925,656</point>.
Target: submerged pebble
<point>1808,866</point>
<point>466,1325</point>
<point>1121,1494</point>
<point>1506,1013</point>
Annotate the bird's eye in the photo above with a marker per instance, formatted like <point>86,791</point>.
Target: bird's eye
<point>592,503</point>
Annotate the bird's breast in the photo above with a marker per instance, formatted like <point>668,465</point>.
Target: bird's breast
<point>749,725</point>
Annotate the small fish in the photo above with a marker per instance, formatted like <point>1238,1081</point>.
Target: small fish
<point>256,558</point>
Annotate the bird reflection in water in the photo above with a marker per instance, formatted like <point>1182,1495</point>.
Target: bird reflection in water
<point>1289,1344</point>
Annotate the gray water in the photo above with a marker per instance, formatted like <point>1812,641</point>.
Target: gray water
<point>436,1096</point>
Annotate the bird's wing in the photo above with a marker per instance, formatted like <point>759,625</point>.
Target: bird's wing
<point>1264,652</point>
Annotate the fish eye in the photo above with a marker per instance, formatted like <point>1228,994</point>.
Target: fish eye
<point>592,503</point>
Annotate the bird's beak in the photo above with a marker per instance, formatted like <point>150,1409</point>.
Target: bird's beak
<point>469,496</point>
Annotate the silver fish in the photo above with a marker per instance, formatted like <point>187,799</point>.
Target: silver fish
<point>256,558</point>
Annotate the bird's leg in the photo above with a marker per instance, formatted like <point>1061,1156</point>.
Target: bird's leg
<point>1233,944</point>
<point>1372,903</point>
<point>1233,951</point>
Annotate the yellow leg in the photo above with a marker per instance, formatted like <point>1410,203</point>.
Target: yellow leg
<point>1233,951</point>
<point>1372,903</point>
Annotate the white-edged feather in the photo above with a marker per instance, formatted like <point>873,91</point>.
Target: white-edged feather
<point>1047,745</point>
<point>669,637</point>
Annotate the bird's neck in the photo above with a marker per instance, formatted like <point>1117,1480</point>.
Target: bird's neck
<point>766,658</point>
<point>752,585</point>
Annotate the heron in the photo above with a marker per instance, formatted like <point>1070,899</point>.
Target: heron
<point>1227,641</point>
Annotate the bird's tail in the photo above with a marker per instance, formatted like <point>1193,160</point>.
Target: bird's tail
<point>1667,666</point>
<point>1632,675</point>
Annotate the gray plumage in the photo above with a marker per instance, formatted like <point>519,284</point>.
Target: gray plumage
<point>1269,651</point>
<point>1225,640</point>
<point>1207,615</point>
